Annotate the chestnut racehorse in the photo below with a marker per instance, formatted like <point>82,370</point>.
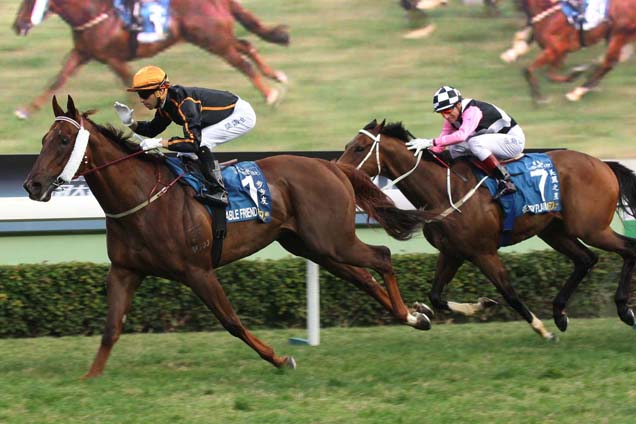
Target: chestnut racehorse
<point>590,190</point>
<point>557,38</point>
<point>169,234</point>
<point>99,34</point>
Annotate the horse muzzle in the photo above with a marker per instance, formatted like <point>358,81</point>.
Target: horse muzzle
<point>38,191</point>
<point>22,29</point>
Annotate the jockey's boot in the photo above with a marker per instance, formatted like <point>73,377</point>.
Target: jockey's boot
<point>500,173</point>
<point>215,195</point>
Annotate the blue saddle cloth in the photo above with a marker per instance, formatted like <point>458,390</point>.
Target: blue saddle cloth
<point>247,189</point>
<point>538,190</point>
<point>154,16</point>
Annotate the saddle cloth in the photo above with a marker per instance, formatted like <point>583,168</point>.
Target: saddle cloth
<point>593,14</point>
<point>153,15</point>
<point>538,189</point>
<point>247,189</point>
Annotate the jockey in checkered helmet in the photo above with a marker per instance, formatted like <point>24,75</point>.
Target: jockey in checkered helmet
<point>476,128</point>
<point>445,98</point>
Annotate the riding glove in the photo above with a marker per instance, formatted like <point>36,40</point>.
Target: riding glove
<point>150,143</point>
<point>418,144</point>
<point>125,113</point>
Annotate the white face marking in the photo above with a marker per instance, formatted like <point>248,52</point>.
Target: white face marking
<point>39,9</point>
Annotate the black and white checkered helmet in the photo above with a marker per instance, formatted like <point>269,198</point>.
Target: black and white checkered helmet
<point>445,98</point>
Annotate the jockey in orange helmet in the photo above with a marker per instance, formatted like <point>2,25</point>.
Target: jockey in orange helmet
<point>477,128</point>
<point>208,117</point>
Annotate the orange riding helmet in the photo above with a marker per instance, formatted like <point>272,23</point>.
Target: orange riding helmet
<point>149,78</point>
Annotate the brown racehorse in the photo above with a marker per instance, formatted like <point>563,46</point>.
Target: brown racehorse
<point>99,34</point>
<point>590,190</point>
<point>313,215</point>
<point>557,38</point>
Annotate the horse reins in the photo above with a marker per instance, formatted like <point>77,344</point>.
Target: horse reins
<point>152,196</point>
<point>453,206</point>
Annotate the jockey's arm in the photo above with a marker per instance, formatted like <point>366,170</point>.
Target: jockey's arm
<point>191,139</point>
<point>151,128</point>
<point>470,121</point>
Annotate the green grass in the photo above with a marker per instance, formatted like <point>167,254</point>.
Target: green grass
<point>472,373</point>
<point>347,64</point>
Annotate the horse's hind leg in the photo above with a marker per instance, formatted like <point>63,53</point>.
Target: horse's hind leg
<point>491,266</point>
<point>362,279</point>
<point>582,257</point>
<point>246,48</point>
<point>626,247</point>
<point>205,284</point>
<point>73,62</point>
<point>121,284</point>
<point>611,58</point>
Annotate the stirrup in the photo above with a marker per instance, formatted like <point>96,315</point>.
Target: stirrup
<point>506,187</point>
<point>218,199</point>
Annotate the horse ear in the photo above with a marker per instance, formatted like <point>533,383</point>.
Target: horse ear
<point>382,124</point>
<point>70,106</point>
<point>57,110</point>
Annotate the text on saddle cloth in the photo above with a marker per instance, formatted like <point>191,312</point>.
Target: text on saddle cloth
<point>538,189</point>
<point>149,18</point>
<point>589,13</point>
<point>247,189</point>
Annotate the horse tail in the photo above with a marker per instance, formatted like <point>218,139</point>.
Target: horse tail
<point>627,186</point>
<point>398,223</point>
<point>277,35</point>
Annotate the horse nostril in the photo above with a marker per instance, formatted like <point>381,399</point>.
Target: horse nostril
<point>32,187</point>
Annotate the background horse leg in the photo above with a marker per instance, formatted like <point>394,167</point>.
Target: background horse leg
<point>548,56</point>
<point>246,48</point>
<point>236,59</point>
<point>360,277</point>
<point>612,56</point>
<point>205,284</point>
<point>491,266</point>
<point>520,45</point>
<point>582,257</point>
<point>626,247</point>
<point>74,61</point>
<point>121,284</point>
<point>122,70</point>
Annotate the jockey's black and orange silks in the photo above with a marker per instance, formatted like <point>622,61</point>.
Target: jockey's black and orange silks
<point>194,109</point>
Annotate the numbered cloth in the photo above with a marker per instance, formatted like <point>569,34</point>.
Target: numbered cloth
<point>247,189</point>
<point>538,189</point>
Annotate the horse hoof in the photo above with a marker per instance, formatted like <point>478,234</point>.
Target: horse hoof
<point>422,322</point>
<point>576,94</point>
<point>422,308</point>
<point>562,322</point>
<point>552,338</point>
<point>627,316</point>
<point>21,113</point>
<point>281,77</point>
<point>290,363</point>
<point>419,33</point>
<point>487,302</point>
<point>509,56</point>
<point>539,101</point>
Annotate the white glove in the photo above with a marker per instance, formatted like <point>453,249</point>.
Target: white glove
<point>418,144</point>
<point>150,143</point>
<point>125,113</point>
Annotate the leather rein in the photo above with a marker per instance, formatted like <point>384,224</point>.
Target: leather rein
<point>154,193</point>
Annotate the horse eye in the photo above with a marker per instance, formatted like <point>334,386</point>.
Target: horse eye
<point>65,140</point>
<point>359,148</point>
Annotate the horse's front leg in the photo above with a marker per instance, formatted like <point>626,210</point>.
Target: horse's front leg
<point>74,61</point>
<point>611,58</point>
<point>520,45</point>
<point>491,266</point>
<point>121,284</point>
<point>445,271</point>
<point>205,284</point>
<point>548,56</point>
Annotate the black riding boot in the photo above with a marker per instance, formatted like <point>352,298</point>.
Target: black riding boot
<point>215,195</point>
<point>500,173</point>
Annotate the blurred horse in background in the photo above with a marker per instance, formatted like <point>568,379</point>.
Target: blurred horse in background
<point>169,234</point>
<point>590,191</point>
<point>100,34</point>
<point>550,28</point>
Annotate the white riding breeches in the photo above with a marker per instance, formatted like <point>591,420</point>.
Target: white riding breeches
<point>503,146</point>
<point>238,123</point>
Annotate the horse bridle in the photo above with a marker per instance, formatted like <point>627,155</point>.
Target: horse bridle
<point>376,146</point>
<point>79,150</point>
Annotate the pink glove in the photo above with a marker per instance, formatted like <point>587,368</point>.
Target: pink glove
<point>437,149</point>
